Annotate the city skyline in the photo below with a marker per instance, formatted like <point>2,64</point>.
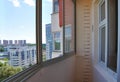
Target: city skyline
<point>18,19</point>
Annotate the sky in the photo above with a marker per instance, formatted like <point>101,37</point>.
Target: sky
<point>18,22</point>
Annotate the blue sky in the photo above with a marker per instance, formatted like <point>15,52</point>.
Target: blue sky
<point>17,19</point>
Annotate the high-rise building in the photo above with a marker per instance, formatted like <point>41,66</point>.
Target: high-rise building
<point>15,42</point>
<point>0,42</point>
<point>24,42</point>
<point>49,41</point>
<point>5,42</point>
<point>22,56</point>
<point>20,42</point>
<point>10,42</point>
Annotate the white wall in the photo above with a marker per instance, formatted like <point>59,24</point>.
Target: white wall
<point>55,22</point>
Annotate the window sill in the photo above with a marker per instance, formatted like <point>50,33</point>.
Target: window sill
<point>26,74</point>
<point>105,74</point>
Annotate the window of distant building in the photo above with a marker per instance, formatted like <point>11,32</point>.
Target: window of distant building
<point>55,6</point>
<point>57,41</point>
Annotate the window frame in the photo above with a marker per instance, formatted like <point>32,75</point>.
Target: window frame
<point>100,28</point>
<point>27,73</point>
<point>104,23</point>
<point>70,27</point>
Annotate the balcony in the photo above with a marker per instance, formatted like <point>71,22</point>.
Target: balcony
<point>86,64</point>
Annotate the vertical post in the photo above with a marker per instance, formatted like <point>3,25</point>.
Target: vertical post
<point>39,30</point>
<point>118,51</point>
<point>63,26</point>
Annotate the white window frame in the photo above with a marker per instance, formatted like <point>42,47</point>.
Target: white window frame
<point>100,28</point>
<point>102,24</point>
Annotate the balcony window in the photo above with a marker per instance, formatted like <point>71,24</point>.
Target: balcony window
<point>17,36</point>
<point>50,36</point>
<point>112,36</point>
<point>102,32</point>
<point>102,11</point>
<point>69,21</point>
<point>108,34</point>
<point>102,44</point>
<point>51,31</point>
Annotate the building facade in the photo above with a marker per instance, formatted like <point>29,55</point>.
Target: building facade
<point>10,42</point>
<point>57,31</point>
<point>49,42</point>
<point>5,42</point>
<point>22,56</point>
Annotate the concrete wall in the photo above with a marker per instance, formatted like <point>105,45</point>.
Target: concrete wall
<point>83,26</point>
<point>84,54</point>
<point>59,72</point>
<point>55,22</point>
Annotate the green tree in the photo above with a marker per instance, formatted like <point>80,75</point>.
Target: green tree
<point>1,64</point>
<point>1,49</point>
<point>7,71</point>
<point>5,59</point>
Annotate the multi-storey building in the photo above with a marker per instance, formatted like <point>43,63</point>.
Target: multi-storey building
<point>24,42</point>
<point>5,42</point>
<point>15,42</point>
<point>10,42</point>
<point>22,56</point>
<point>56,29</point>
<point>20,42</point>
<point>49,42</point>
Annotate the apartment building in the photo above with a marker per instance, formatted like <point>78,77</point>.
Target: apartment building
<point>22,56</point>
<point>5,42</point>
<point>49,42</point>
<point>57,31</point>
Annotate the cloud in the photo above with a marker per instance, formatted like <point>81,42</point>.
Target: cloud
<point>30,2</point>
<point>16,3</point>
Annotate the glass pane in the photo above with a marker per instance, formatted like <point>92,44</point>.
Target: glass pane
<point>112,37</point>
<point>69,25</point>
<point>68,35</point>
<point>102,44</point>
<point>103,11</point>
<point>52,38</point>
<point>17,36</point>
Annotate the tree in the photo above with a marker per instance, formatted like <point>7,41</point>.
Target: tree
<point>5,59</point>
<point>1,49</point>
<point>1,64</point>
<point>7,71</point>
